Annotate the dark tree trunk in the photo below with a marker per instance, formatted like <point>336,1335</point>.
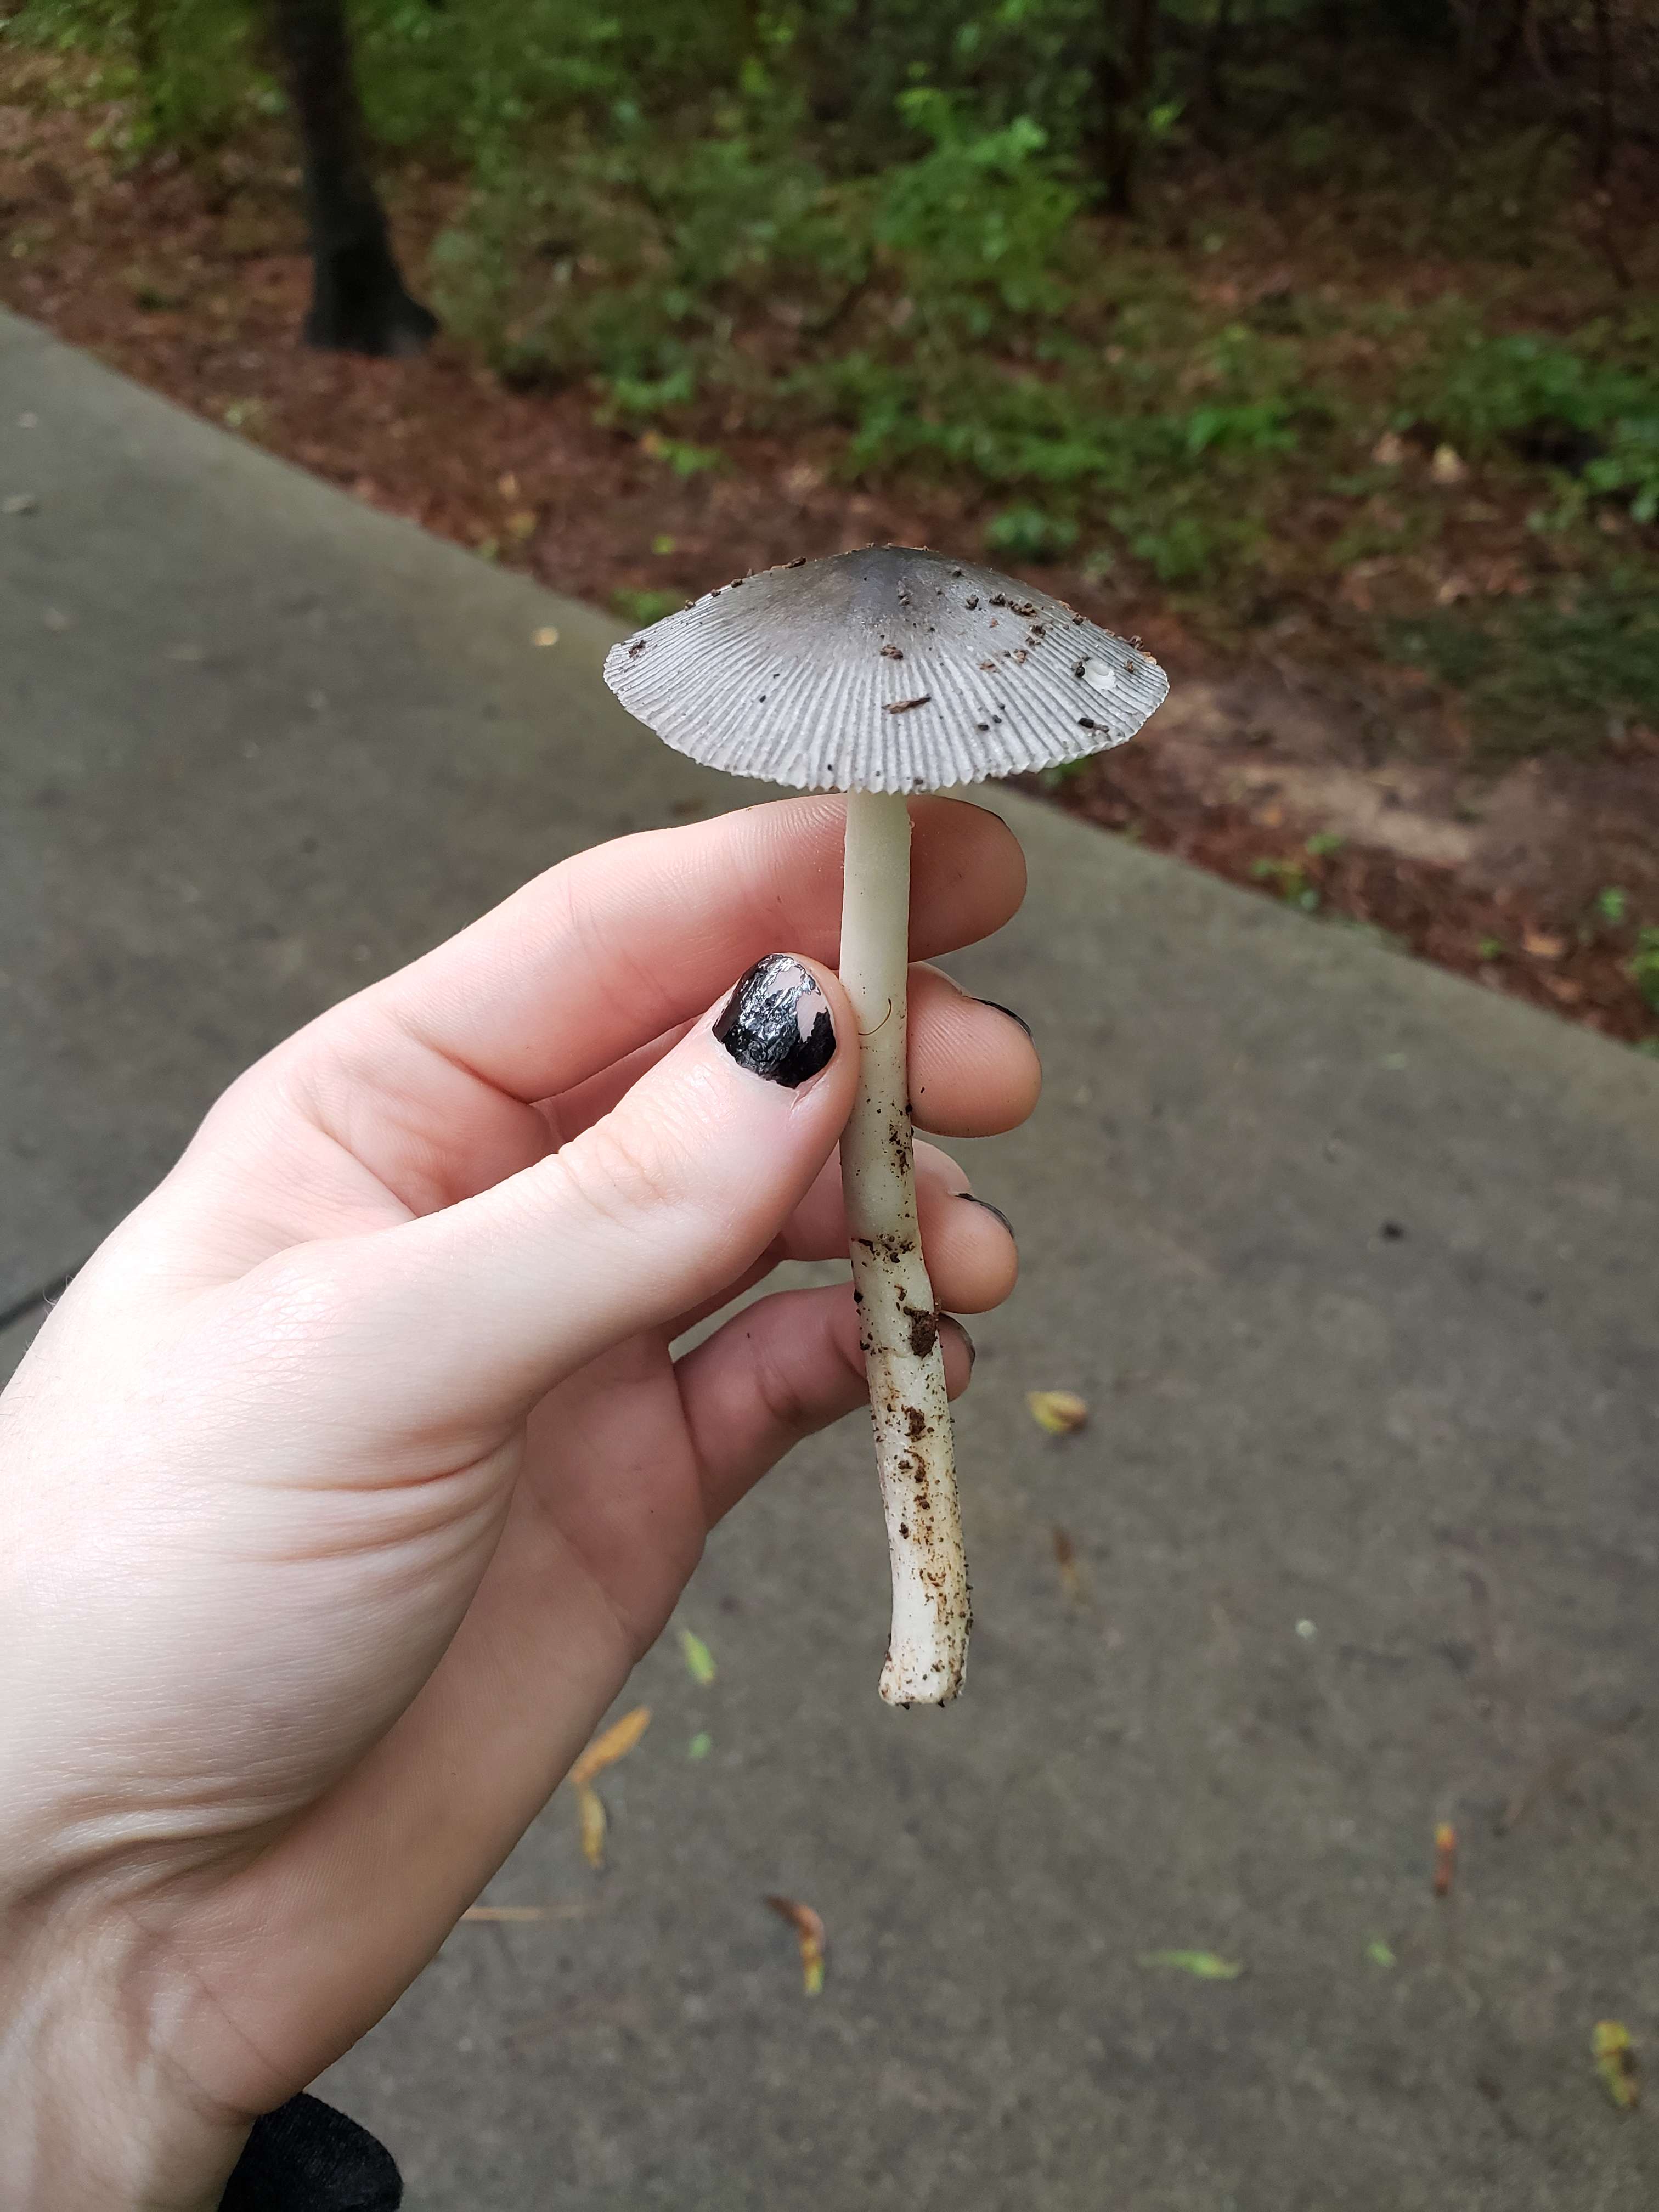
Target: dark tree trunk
<point>359,302</point>
<point>1217,44</point>
<point>1604,136</point>
<point>1123,77</point>
<point>1506,45</point>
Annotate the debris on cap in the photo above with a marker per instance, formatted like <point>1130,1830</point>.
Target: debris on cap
<point>890,669</point>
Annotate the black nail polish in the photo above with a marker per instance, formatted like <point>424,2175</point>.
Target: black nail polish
<point>1011,1015</point>
<point>989,1208</point>
<point>973,1353</point>
<point>776,1023</point>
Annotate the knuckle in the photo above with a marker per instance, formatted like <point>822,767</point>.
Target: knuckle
<point>620,1172</point>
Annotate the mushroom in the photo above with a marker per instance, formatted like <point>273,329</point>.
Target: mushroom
<point>881,673</point>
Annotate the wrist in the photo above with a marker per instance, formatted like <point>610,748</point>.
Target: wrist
<point>95,2116</point>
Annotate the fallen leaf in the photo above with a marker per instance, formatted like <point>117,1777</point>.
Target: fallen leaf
<point>1445,1857</point>
<point>701,1745</point>
<point>1057,1412</point>
<point>1541,947</point>
<point>699,1659</point>
<point>1205,1965</point>
<point>547,635</point>
<point>1447,467</point>
<point>1452,589</point>
<point>1379,1953</point>
<point>605,1750</point>
<point>809,1930</point>
<point>1615,2061</point>
<point>1389,449</point>
<point>591,1807</point>
<point>508,485</point>
<point>1071,1575</point>
<point>1565,988</point>
<point>525,1912</point>
<point>613,1744</point>
<point>522,524</point>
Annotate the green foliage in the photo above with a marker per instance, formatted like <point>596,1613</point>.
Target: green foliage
<point>1291,882</point>
<point>1543,673</point>
<point>1644,966</point>
<point>1029,533</point>
<point>1494,389</point>
<point>1530,390</point>
<point>186,68</point>
<point>980,223</point>
<point>643,608</point>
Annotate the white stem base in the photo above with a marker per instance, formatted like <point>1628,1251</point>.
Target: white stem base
<point>898,1316</point>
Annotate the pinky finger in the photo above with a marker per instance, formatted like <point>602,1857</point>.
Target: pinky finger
<point>781,1369</point>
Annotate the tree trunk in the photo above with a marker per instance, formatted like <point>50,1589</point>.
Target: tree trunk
<point>1217,42</point>
<point>359,301</point>
<point>1507,45</point>
<point>1123,77</point>
<point>1604,136</point>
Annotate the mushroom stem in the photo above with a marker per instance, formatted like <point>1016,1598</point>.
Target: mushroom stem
<point>898,1312</point>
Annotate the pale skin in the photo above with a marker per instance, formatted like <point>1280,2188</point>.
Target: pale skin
<point>351,1477</point>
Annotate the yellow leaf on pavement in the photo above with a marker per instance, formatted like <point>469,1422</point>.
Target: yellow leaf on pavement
<point>1058,1412</point>
<point>1615,2061</point>
<point>594,1825</point>
<point>613,1744</point>
<point>525,1912</point>
<point>809,1932</point>
<point>1204,1965</point>
<point>1071,1575</point>
<point>699,1659</point>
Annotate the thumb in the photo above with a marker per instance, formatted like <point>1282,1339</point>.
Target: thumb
<point>651,1210</point>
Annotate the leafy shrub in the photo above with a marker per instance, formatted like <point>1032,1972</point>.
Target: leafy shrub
<point>1542,674</point>
<point>1525,388</point>
<point>1644,966</point>
<point>1030,533</point>
<point>980,221</point>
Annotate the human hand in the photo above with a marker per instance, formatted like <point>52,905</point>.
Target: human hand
<point>352,1475</point>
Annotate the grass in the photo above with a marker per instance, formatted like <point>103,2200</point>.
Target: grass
<point>1547,674</point>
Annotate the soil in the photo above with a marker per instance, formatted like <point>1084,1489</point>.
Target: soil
<point>194,280</point>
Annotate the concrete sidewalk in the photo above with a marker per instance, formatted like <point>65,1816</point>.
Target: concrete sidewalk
<point>1357,1264</point>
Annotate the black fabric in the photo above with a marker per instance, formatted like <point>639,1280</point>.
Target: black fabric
<point>307,2157</point>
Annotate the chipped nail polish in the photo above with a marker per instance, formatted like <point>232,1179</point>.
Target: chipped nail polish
<point>989,1208</point>
<point>777,1023</point>
<point>1011,1015</point>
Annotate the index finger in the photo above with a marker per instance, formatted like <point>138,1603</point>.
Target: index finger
<point>614,947</point>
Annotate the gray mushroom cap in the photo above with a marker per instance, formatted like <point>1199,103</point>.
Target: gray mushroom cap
<point>890,669</point>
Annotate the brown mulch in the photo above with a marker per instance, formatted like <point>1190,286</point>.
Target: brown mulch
<point>196,284</point>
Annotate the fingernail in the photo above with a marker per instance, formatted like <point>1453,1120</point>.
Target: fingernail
<point>777,1023</point>
<point>1011,1015</point>
<point>989,1208</point>
<point>973,1353</point>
